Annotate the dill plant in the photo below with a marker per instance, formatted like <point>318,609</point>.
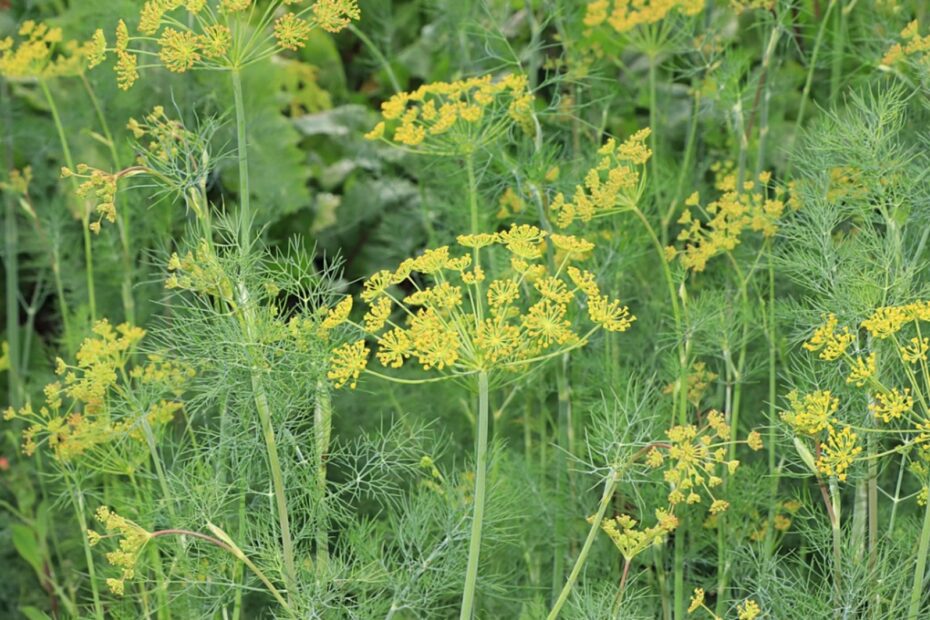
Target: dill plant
<point>269,288</point>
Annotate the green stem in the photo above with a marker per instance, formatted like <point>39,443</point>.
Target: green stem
<point>260,398</point>
<point>805,94</point>
<point>481,458</point>
<point>245,199</point>
<point>123,215</point>
<point>322,427</point>
<point>923,547</point>
<point>609,486</point>
<point>385,64</point>
<point>11,266</point>
<point>85,215</point>
<point>77,500</point>
<point>653,135</point>
<point>774,471</point>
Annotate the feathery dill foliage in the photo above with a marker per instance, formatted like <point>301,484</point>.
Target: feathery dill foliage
<point>314,311</point>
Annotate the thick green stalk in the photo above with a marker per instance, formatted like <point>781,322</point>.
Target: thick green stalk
<point>653,135</point>
<point>260,398</point>
<point>77,500</point>
<point>85,215</point>
<point>481,470</point>
<point>245,199</point>
<point>609,486</point>
<point>473,201</point>
<point>11,266</point>
<point>774,470</point>
<point>922,549</point>
<point>322,428</point>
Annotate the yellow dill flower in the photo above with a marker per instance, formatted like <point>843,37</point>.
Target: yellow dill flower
<point>554,289</point>
<point>916,351</point>
<point>697,600</point>
<point>394,347</point>
<point>291,31</point>
<point>862,370</point>
<point>609,314</point>
<point>694,462</point>
<point>613,184</point>
<point>585,281</point>
<point>132,540</point>
<point>524,240</point>
<point>891,405</point>
<point>731,215</point>
<point>545,324</point>
<point>459,322</point>
<point>887,321</point>
<point>699,379</point>
<point>335,15</point>
<point>234,6</point>
<point>571,244</point>
<point>811,413</point>
<point>178,50</point>
<point>627,15</point>
<point>454,118</point>
<point>748,610</point>
<point>754,440</point>
<point>41,52</point>
<point>338,314</point>
<point>831,343</point>
<point>839,453</point>
<point>631,541</point>
<point>215,40</point>
<point>348,362</point>
<point>502,293</point>
<point>509,204</point>
<point>478,241</point>
<point>377,315</point>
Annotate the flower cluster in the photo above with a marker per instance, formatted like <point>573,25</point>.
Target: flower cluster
<point>631,541</point>
<point>200,271</point>
<point>813,414</point>
<point>831,344</point>
<point>445,312</point>
<point>753,206</point>
<point>77,416</point>
<point>455,118</point>
<point>625,15</point>
<point>699,379</point>
<point>746,610</point>
<point>697,458</point>
<point>42,53</point>
<point>616,182</point>
<point>205,39</point>
<point>913,47</point>
<point>132,539</point>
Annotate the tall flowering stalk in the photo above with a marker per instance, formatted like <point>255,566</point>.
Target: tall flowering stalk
<point>443,312</point>
<point>224,35</point>
<point>896,347</point>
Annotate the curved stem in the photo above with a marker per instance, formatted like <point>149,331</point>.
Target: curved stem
<point>481,458</point>
<point>77,500</point>
<point>385,64</point>
<point>260,398</point>
<point>606,496</point>
<point>85,216</point>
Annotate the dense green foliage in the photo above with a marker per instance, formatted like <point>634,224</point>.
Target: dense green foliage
<point>471,308</point>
